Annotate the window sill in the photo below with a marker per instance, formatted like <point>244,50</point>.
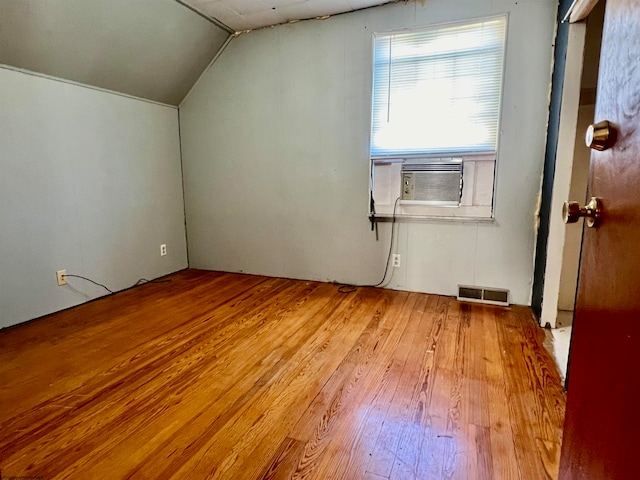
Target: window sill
<point>387,217</point>
<point>475,202</point>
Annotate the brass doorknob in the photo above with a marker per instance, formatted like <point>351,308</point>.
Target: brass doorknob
<point>600,136</point>
<point>571,212</point>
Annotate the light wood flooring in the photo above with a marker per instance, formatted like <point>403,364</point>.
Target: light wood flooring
<point>217,375</point>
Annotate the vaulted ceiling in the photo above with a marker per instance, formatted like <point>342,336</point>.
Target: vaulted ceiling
<point>153,49</point>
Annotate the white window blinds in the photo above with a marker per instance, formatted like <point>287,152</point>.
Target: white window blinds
<point>438,90</point>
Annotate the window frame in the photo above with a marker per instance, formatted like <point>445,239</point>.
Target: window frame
<point>461,212</point>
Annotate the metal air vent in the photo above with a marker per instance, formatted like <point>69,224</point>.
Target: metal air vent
<point>492,296</point>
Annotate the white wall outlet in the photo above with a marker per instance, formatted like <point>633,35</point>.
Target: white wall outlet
<point>163,249</point>
<point>61,276</point>
<point>395,260</point>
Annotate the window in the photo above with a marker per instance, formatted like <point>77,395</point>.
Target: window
<point>436,99</point>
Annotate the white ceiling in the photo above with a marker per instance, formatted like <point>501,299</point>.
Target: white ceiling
<point>242,15</point>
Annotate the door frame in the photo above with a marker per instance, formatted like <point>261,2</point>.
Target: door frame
<point>567,131</point>
<point>552,277</point>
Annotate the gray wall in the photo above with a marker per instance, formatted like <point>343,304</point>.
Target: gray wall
<point>275,150</point>
<point>90,182</point>
<point>153,49</point>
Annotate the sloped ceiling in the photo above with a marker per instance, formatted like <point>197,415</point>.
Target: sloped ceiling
<point>242,15</point>
<point>154,49</point>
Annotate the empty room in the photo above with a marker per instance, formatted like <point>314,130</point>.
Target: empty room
<point>319,239</point>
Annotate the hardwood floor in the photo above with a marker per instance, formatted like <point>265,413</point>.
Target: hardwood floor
<point>218,375</point>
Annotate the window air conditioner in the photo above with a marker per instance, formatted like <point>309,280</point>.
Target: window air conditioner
<point>432,183</point>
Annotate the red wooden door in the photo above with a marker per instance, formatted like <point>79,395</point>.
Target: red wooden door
<point>602,424</point>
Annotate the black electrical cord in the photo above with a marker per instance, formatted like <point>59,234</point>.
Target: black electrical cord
<point>348,288</point>
<point>142,281</point>
<point>88,280</point>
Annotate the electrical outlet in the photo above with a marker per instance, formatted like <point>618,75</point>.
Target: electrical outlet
<point>395,259</point>
<point>163,249</point>
<point>60,275</point>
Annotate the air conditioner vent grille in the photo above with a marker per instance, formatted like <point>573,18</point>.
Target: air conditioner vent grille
<point>432,183</point>
<point>432,167</point>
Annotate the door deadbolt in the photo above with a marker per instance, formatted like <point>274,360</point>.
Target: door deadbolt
<point>600,136</point>
<point>571,212</point>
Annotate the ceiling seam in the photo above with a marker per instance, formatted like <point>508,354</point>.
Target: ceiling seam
<point>211,19</point>
<point>322,17</point>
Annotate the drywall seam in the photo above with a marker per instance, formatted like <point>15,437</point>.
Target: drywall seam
<point>213,60</point>
<point>84,85</point>
<point>184,200</point>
